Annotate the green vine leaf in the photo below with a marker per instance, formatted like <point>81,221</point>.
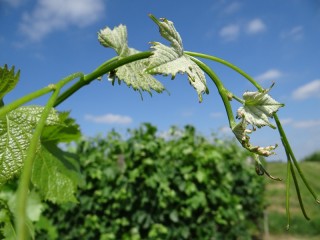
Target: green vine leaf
<point>16,129</point>
<point>56,173</point>
<point>68,130</point>
<point>132,74</point>
<point>8,80</point>
<point>258,108</point>
<point>172,60</point>
<point>8,199</point>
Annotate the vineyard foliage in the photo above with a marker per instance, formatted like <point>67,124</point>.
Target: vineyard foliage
<point>150,186</point>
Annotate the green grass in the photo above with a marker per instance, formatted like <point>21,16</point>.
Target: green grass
<point>276,206</point>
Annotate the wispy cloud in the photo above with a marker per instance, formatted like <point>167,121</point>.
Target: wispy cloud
<point>230,32</point>
<point>309,90</point>
<point>301,123</point>
<point>255,26</point>
<point>225,7</point>
<point>295,33</point>
<point>49,16</point>
<point>307,123</point>
<point>271,74</point>
<point>109,119</point>
<point>216,114</point>
<point>232,8</point>
<point>286,121</point>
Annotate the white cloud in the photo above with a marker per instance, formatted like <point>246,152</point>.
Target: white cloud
<point>225,130</point>
<point>286,121</point>
<point>307,123</point>
<point>255,26</point>
<point>271,74</point>
<point>230,32</point>
<point>300,124</point>
<point>232,8</point>
<point>49,16</point>
<point>296,33</point>
<point>216,114</point>
<point>309,90</point>
<point>109,119</point>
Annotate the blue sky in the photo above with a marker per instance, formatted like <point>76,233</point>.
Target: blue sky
<point>273,41</point>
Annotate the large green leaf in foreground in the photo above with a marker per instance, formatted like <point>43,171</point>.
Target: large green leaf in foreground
<point>56,172</point>
<point>16,129</point>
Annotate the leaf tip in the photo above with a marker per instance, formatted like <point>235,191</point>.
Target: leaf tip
<point>153,18</point>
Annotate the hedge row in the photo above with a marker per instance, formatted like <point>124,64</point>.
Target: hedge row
<point>181,186</point>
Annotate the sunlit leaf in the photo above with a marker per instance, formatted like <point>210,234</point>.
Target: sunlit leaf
<point>16,129</point>
<point>171,60</point>
<point>258,108</point>
<point>132,74</point>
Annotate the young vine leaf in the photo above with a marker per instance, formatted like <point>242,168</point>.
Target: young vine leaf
<point>172,60</point>
<point>133,73</point>
<point>258,107</point>
<point>16,129</point>
<point>8,80</point>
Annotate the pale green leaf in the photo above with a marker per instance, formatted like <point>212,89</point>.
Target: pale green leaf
<point>171,60</point>
<point>168,31</point>
<point>132,74</point>
<point>56,174</point>
<point>8,80</point>
<point>34,207</point>
<point>258,108</point>
<point>116,39</point>
<point>16,129</point>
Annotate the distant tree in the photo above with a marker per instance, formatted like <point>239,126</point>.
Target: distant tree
<point>314,157</point>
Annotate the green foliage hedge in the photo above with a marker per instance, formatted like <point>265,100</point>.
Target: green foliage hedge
<point>181,186</point>
<point>314,157</point>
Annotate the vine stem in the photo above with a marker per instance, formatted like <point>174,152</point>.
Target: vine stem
<point>228,64</point>
<point>292,156</point>
<point>54,100</point>
<point>224,93</point>
<point>27,98</point>
<point>292,161</point>
<point>23,188</point>
<point>100,71</point>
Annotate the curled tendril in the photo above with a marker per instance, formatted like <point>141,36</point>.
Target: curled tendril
<point>260,170</point>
